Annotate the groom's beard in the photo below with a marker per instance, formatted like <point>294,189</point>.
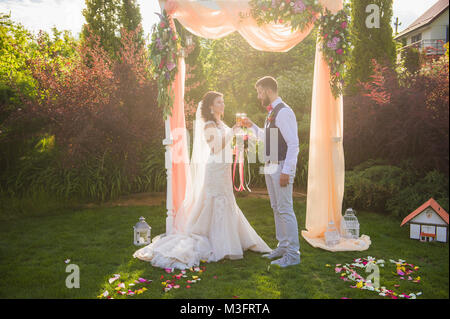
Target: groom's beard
<point>265,102</point>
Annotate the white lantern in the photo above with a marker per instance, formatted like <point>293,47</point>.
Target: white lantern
<point>142,232</point>
<point>350,225</point>
<point>332,237</point>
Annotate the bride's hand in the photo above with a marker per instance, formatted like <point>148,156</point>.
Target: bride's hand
<point>236,128</point>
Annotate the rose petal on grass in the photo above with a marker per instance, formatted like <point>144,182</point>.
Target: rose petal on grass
<point>104,294</point>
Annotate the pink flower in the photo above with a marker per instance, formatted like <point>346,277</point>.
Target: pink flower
<point>340,51</point>
<point>299,6</point>
<point>336,32</point>
<point>170,66</point>
<point>325,36</point>
<point>162,25</point>
<point>344,25</point>
<point>338,74</point>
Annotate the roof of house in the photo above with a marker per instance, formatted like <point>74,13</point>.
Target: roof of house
<point>430,203</point>
<point>429,16</point>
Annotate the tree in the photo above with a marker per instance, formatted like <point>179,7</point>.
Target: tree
<point>370,39</point>
<point>232,67</point>
<point>103,20</point>
<point>130,18</point>
<point>400,122</point>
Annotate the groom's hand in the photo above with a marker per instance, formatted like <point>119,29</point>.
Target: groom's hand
<point>284,180</point>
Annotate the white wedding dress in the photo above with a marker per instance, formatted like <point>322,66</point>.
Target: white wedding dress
<point>212,226</point>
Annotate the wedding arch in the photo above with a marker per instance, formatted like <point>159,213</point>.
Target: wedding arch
<point>267,25</point>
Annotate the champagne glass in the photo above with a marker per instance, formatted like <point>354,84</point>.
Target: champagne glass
<point>239,119</point>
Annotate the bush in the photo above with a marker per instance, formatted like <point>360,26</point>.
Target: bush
<point>88,128</point>
<point>412,59</point>
<point>400,121</point>
<point>372,184</point>
<point>434,185</point>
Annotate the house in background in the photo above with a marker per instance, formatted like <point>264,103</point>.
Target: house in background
<point>429,222</point>
<point>430,31</point>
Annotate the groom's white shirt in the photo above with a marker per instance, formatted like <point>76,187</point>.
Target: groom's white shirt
<point>287,124</point>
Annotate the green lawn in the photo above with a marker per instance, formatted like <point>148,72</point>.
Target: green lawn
<point>100,242</point>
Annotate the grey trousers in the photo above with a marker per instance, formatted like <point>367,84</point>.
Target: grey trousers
<point>286,226</point>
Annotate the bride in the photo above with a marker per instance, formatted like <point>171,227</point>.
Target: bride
<point>209,226</point>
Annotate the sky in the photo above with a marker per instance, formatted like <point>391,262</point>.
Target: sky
<point>66,14</point>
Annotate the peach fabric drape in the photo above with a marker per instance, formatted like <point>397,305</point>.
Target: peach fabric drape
<point>219,18</point>
<point>180,156</point>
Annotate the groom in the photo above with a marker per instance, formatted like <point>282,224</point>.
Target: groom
<point>280,135</point>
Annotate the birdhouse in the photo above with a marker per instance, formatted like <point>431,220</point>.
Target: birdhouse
<point>332,237</point>
<point>428,223</point>
<point>349,225</point>
<point>142,233</point>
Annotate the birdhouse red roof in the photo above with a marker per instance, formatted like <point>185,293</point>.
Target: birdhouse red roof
<point>430,203</point>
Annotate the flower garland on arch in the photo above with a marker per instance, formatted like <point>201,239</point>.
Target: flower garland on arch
<point>333,29</point>
<point>334,37</point>
<point>298,13</point>
<point>164,52</point>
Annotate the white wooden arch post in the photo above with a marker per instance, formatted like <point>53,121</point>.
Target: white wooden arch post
<point>168,142</point>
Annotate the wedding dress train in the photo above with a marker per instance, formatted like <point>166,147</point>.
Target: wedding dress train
<point>215,227</point>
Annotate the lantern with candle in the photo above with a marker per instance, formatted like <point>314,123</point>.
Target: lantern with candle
<point>142,233</point>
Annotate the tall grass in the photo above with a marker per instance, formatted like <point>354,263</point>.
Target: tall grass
<point>39,181</point>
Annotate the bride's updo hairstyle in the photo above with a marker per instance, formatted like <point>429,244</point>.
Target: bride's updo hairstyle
<point>207,103</point>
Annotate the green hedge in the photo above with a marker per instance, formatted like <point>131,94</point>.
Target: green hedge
<point>376,186</point>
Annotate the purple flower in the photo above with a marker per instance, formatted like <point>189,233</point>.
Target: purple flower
<point>332,44</point>
<point>167,74</point>
<point>299,6</point>
<point>159,45</point>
